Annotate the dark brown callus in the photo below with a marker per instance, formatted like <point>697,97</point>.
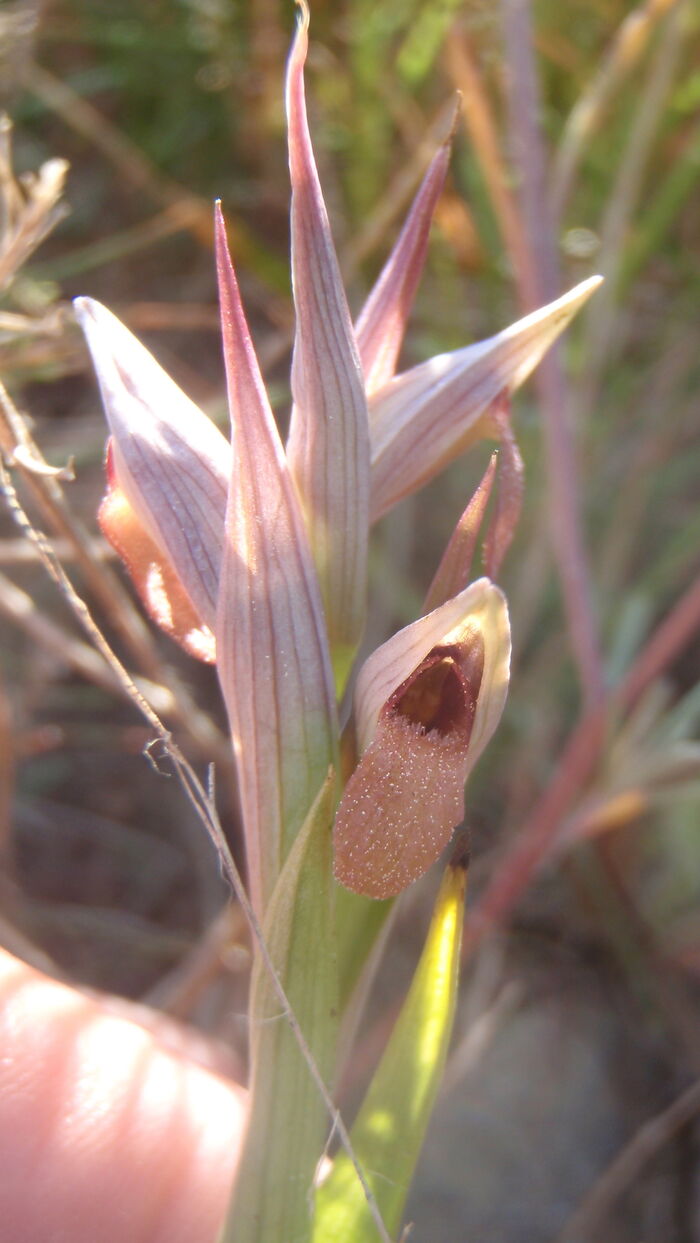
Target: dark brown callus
<point>441,694</point>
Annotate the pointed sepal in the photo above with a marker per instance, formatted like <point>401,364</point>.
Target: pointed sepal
<point>170,460</point>
<point>272,653</point>
<point>423,418</point>
<point>511,489</point>
<point>154,578</point>
<point>328,445</point>
<point>381,324</point>
<point>452,574</point>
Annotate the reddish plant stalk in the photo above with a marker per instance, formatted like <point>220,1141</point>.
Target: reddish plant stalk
<point>529,160</point>
<point>577,763</point>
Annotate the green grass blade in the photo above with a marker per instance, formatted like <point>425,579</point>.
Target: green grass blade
<point>390,1127</point>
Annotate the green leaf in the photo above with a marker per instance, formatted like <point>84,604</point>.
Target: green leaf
<point>359,923</point>
<point>289,1120</point>
<point>390,1127</point>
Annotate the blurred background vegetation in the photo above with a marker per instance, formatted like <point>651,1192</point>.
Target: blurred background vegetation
<point>580,1016</point>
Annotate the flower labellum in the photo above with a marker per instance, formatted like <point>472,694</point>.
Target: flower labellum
<point>417,761</point>
<point>406,795</point>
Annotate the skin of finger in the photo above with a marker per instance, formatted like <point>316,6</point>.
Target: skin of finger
<point>103,1133</point>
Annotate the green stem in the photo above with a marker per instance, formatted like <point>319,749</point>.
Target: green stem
<point>272,1200</point>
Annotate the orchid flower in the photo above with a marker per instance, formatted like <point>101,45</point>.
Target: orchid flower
<point>256,555</point>
<point>253,554</point>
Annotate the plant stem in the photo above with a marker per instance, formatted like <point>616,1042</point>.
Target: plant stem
<point>567,539</point>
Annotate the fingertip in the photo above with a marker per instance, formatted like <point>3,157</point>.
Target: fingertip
<point>103,1132</point>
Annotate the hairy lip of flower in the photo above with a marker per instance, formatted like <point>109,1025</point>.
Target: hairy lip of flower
<point>406,796</point>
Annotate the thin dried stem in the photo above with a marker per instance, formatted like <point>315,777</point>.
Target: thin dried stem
<point>16,942</point>
<point>629,1163</point>
<point>180,316</point>
<point>128,159</point>
<point>515,871</point>
<point>511,489</point>
<point>20,609</point>
<point>19,552</point>
<point>7,769</point>
<point>476,113</point>
<point>28,212</point>
<point>178,218</point>
<point>398,192</point>
<point>656,442</point>
<point>577,763</point>
<point>587,115</point>
<point>452,574</point>
<point>601,331</point>
<point>635,941</point>
<point>178,992</point>
<point>669,638</point>
<point>565,528</point>
<point>47,494</point>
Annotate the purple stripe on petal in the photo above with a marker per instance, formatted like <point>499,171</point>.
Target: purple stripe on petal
<point>171,461</point>
<point>381,325</point>
<point>328,446</point>
<point>272,653</point>
<point>425,417</point>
